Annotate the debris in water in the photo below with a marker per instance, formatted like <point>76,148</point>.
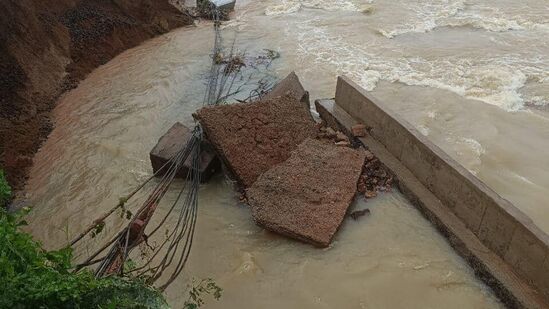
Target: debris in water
<point>359,213</point>
<point>375,177</point>
<point>234,64</point>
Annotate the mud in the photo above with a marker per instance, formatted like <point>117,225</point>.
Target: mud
<point>251,138</point>
<point>46,48</point>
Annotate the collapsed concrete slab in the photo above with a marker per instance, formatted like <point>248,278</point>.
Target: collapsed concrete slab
<point>306,197</point>
<point>290,85</point>
<point>174,140</point>
<point>251,138</point>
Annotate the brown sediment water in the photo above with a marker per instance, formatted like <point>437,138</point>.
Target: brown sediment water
<point>478,91</point>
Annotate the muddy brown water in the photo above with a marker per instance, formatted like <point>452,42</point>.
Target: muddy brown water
<point>472,76</point>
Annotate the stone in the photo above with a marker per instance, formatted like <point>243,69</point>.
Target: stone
<point>343,144</point>
<point>340,137</point>
<point>369,155</point>
<point>358,130</point>
<point>290,85</point>
<point>330,132</point>
<point>251,138</point>
<point>174,140</point>
<point>307,196</point>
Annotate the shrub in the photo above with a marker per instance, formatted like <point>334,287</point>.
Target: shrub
<point>5,190</point>
<point>35,278</point>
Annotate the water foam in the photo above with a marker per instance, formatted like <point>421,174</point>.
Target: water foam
<point>446,13</point>
<point>292,6</point>
<point>426,17</point>
<point>494,80</point>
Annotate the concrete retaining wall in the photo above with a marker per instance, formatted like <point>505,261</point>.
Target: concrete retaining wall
<point>498,224</point>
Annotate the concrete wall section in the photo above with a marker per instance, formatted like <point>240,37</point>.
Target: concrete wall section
<point>498,224</point>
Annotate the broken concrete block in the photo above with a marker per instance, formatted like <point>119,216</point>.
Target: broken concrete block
<point>174,140</point>
<point>340,137</point>
<point>290,85</point>
<point>358,130</point>
<point>306,197</point>
<point>251,138</point>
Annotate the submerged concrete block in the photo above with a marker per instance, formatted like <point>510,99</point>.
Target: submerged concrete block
<point>253,137</point>
<point>174,140</point>
<point>306,197</point>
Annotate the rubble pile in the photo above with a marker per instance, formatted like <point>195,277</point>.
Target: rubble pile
<point>299,177</point>
<point>374,178</point>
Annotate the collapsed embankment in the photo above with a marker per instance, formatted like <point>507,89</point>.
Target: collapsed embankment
<point>46,47</point>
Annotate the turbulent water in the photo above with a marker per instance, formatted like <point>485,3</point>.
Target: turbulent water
<point>472,76</point>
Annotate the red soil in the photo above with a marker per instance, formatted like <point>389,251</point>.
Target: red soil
<point>46,47</point>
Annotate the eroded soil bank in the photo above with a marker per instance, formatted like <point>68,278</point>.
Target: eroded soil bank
<point>46,47</point>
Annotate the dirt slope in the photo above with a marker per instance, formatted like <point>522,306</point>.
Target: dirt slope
<point>46,47</point>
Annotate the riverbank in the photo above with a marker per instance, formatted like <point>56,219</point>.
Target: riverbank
<point>46,49</point>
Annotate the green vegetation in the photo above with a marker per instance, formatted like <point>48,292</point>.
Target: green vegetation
<point>32,277</point>
<point>5,190</point>
<point>35,278</point>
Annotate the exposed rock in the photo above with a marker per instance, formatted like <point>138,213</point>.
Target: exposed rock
<point>251,138</point>
<point>174,140</point>
<point>307,196</point>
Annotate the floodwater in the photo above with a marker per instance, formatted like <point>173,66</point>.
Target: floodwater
<point>473,76</point>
